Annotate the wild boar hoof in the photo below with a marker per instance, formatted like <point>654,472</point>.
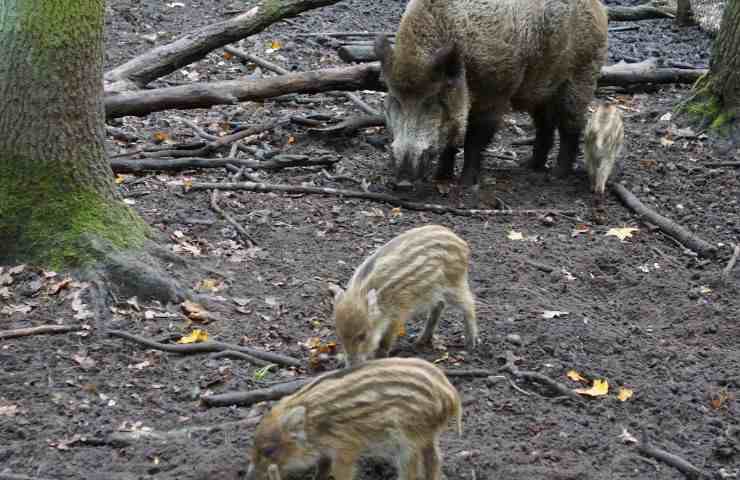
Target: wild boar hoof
<point>471,344</point>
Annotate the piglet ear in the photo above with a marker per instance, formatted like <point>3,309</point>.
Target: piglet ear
<point>447,62</point>
<point>384,51</point>
<point>294,423</point>
<point>372,300</point>
<point>336,290</point>
<point>273,473</point>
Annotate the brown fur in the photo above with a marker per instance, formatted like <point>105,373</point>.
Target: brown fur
<point>458,67</point>
<point>393,407</point>
<point>416,273</point>
<point>603,142</point>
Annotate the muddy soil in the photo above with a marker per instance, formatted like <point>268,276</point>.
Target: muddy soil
<point>643,313</point>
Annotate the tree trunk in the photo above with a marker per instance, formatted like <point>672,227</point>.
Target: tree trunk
<point>724,69</point>
<point>56,185</point>
<point>684,15</point>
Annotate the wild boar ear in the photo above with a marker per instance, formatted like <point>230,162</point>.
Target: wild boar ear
<point>273,473</point>
<point>447,62</point>
<point>372,300</point>
<point>384,51</point>
<point>294,423</point>
<point>336,290</point>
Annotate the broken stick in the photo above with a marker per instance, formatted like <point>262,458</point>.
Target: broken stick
<point>206,347</point>
<point>42,330</point>
<point>254,396</point>
<point>684,466</point>
<point>378,197</point>
<point>687,239</point>
<point>727,271</point>
<point>510,366</point>
<point>276,163</point>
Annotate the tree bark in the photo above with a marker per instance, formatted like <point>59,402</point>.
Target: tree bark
<point>684,14</point>
<point>724,68</point>
<point>56,184</point>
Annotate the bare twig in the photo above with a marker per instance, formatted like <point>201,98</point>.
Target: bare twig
<point>539,266</point>
<point>41,330</point>
<point>276,163</point>
<point>518,388</point>
<point>10,476</point>
<point>248,241</point>
<point>473,372</point>
<point>352,124</point>
<point>727,271</point>
<point>684,466</point>
<point>240,356</point>
<point>346,34</point>
<point>671,228</point>
<point>254,396</point>
<point>624,28</point>
<point>261,62</point>
<point>206,347</point>
<point>722,165</point>
<point>379,197</point>
<point>354,98</point>
<point>510,366</point>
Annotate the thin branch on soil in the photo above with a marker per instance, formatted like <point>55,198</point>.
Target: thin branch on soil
<point>274,392</point>
<point>473,372</point>
<point>246,238</point>
<point>670,459</point>
<point>378,197</point>
<point>206,347</point>
<point>166,59</point>
<point>340,178</point>
<point>625,28</point>
<point>539,266</point>
<point>518,388</point>
<point>511,367</point>
<point>727,271</point>
<point>671,228</point>
<point>10,476</point>
<point>346,34</point>
<point>360,103</point>
<point>41,330</point>
<point>276,163</point>
<point>240,356</point>
<point>722,165</point>
<point>352,124</point>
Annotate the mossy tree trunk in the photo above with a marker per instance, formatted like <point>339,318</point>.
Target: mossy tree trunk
<point>716,99</point>
<point>56,185</point>
<point>724,70</point>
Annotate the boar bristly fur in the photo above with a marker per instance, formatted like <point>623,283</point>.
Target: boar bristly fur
<point>603,143</point>
<point>395,407</point>
<point>458,67</point>
<point>417,273</point>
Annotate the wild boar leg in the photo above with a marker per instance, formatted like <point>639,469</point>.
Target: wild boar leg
<point>323,471</point>
<point>343,467</point>
<point>425,339</point>
<point>481,128</point>
<point>431,461</point>
<point>544,123</point>
<point>467,304</point>
<point>386,342</point>
<point>408,463</point>
<point>446,166</point>
<point>572,108</point>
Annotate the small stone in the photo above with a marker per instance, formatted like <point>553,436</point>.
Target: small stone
<point>514,339</point>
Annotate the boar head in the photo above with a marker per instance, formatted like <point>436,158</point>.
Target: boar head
<point>280,444</point>
<point>426,107</point>
<point>360,325</point>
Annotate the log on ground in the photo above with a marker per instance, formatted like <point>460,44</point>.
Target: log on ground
<point>276,163</point>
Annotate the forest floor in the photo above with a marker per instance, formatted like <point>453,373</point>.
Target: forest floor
<point>642,313</point>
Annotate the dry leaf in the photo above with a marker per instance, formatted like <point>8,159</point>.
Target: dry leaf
<point>648,163</point>
<point>627,437</point>
<point>119,179</point>
<point>291,140</point>
<point>5,293</point>
<point>84,362</point>
<point>396,212</point>
<point>513,235</point>
<point>209,284</point>
<point>228,56</point>
<point>275,45</point>
<point>580,230</point>
<point>666,142</point>
<point>598,389</point>
<point>196,336</point>
<point>57,287</point>
<point>553,314</point>
<point>621,233</point>
<point>8,410</point>
<point>624,394</point>
<point>575,376</point>
<point>401,330</point>
<point>718,398</point>
<point>194,311</point>
<point>704,290</point>
<point>160,137</point>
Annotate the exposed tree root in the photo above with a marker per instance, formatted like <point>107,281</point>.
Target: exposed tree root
<point>670,459</point>
<point>40,330</point>
<point>688,239</point>
<point>352,125</point>
<point>727,271</point>
<point>166,59</point>
<point>379,197</point>
<point>722,165</point>
<point>472,372</point>
<point>276,163</point>
<point>207,347</point>
<point>274,392</point>
<point>10,476</point>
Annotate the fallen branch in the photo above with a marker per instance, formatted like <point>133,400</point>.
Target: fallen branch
<point>246,238</point>
<point>240,356</point>
<point>352,124</point>
<point>166,59</point>
<point>621,74</point>
<point>378,197</point>
<point>727,271</point>
<point>41,330</point>
<point>639,12</point>
<point>473,372</point>
<point>722,165</point>
<point>670,459</point>
<point>206,347</point>
<point>254,396</point>
<point>276,163</point>
<point>10,476</point>
<point>539,266</point>
<point>202,95</point>
<point>510,366</point>
<point>346,34</point>
<point>687,239</point>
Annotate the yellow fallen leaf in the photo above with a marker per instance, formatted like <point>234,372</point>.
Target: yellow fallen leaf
<point>194,311</point>
<point>228,56</point>
<point>291,140</point>
<point>187,184</point>
<point>575,376</point>
<point>209,284</point>
<point>396,212</point>
<point>514,235</point>
<point>275,45</point>
<point>621,233</point>
<point>598,389</point>
<point>119,179</point>
<point>625,394</point>
<point>196,336</point>
<point>666,142</point>
<point>160,137</point>
<point>704,290</point>
<point>402,330</point>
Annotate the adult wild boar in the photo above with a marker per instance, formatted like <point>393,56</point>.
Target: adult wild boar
<point>459,66</point>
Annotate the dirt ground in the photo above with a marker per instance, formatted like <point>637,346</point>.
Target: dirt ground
<point>643,313</point>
